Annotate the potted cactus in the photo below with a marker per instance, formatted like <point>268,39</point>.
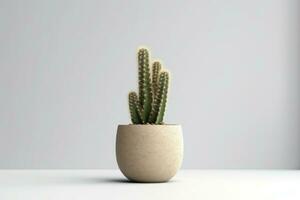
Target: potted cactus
<point>148,150</point>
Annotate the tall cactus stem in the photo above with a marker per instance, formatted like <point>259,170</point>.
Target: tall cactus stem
<point>145,89</point>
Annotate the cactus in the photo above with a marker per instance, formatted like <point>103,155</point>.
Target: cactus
<point>149,106</point>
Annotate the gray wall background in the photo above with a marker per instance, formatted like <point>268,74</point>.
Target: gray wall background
<point>66,68</point>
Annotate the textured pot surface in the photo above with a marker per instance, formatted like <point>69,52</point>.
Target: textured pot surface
<point>149,153</point>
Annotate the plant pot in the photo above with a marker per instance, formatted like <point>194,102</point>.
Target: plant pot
<point>149,153</point>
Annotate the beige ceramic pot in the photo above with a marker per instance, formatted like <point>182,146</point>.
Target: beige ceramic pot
<point>149,153</point>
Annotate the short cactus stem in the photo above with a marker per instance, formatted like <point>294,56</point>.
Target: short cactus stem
<point>158,108</point>
<point>134,109</point>
<point>163,101</point>
<point>156,67</point>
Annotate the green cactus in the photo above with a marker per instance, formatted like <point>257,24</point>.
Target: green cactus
<point>134,108</point>
<point>160,99</point>
<point>145,92</point>
<point>156,67</point>
<point>149,106</point>
<point>163,92</point>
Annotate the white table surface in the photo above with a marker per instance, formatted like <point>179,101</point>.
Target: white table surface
<point>187,184</point>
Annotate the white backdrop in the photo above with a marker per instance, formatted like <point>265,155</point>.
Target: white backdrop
<point>66,68</point>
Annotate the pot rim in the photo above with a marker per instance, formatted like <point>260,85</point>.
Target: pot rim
<point>149,125</point>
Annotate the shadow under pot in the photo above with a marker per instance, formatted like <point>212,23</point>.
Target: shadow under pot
<point>149,153</point>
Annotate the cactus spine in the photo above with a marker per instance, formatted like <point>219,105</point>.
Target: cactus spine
<point>149,106</point>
